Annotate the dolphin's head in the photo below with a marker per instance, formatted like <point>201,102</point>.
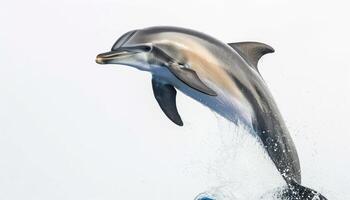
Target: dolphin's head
<point>128,51</point>
<point>157,50</point>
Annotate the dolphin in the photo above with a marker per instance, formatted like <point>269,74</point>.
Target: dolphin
<point>223,77</point>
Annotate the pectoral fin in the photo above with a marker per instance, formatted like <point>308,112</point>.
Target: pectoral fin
<point>190,78</point>
<point>165,95</point>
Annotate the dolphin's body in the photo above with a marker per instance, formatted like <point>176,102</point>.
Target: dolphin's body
<point>223,77</point>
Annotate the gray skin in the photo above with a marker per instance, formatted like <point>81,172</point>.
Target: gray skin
<point>223,77</point>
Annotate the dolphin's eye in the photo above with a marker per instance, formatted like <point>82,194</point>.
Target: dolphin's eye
<point>138,48</point>
<point>145,48</point>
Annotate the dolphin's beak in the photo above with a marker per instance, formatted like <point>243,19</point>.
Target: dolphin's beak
<point>104,58</point>
<point>121,53</point>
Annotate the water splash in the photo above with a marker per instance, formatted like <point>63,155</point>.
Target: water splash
<point>239,169</point>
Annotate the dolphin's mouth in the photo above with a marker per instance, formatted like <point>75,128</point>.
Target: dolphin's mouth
<point>120,53</point>
<point>104,58</point>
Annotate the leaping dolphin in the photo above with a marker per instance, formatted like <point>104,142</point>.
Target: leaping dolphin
<point>223,77</point>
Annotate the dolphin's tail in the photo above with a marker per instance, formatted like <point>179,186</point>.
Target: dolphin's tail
<point>295,191</point>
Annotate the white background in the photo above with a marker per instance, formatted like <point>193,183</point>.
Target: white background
<point>72,129</point>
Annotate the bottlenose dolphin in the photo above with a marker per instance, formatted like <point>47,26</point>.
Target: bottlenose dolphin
<point>223,77</point>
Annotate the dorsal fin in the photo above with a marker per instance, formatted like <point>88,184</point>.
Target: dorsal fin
<point>252,51</point>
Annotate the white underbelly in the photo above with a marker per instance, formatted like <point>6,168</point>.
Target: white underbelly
<point>224,104</point>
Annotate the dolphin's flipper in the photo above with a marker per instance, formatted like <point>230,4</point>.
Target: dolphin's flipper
<point>190,78</point>
<point>165,95</point>
<point>252,51</point>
